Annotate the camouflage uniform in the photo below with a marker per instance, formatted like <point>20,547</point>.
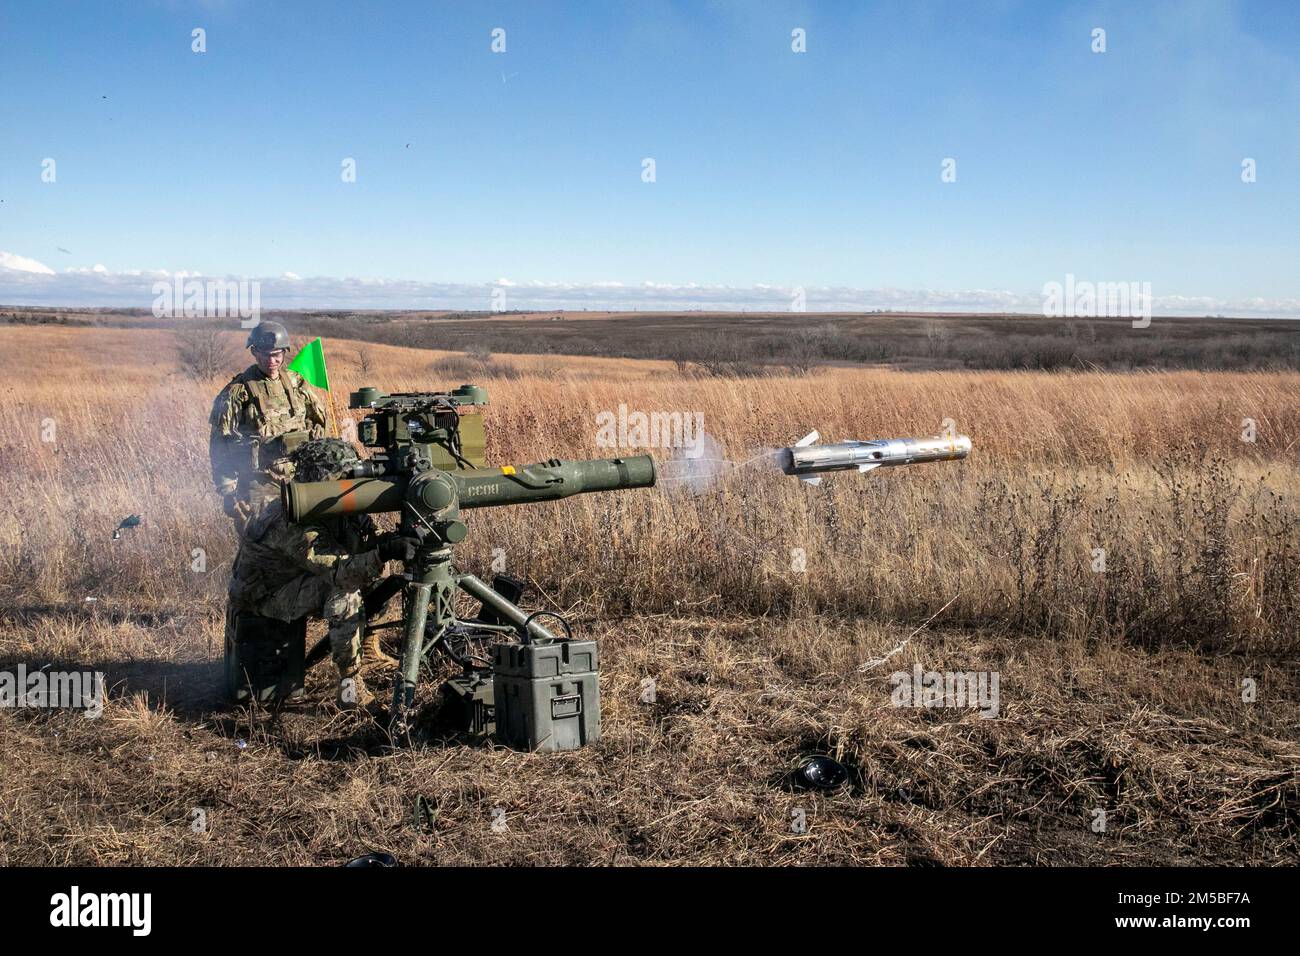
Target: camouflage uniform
<point>287,571</point>
<point>256,422</point>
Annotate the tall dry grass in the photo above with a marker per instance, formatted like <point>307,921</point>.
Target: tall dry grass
<point>1199,527</point>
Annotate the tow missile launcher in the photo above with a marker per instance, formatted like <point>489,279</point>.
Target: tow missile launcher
<point>427,467</point>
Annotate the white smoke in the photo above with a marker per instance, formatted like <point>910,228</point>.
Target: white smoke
<point>702,466</point>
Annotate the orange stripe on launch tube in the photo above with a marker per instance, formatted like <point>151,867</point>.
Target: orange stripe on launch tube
<point>347,495</point>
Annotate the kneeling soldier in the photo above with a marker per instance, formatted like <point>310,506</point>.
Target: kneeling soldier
<point>285,570</point>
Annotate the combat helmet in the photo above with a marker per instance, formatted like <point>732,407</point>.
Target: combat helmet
<point>323,459</point>
<point>268,336</point>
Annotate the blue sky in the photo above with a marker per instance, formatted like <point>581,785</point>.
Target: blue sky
<point>773,168</point>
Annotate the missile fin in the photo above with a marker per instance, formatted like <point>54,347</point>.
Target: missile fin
<point>808,439</point>
<point>868,466</point>
<point>811,479</point>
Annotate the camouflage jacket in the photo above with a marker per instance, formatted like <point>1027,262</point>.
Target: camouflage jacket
<point>285,570</point>
<point>255,422</point>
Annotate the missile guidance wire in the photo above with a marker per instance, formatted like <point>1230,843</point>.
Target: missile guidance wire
<point>876,662</point>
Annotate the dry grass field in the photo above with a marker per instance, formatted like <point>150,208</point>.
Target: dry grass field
<point>732,344</point>
<point>751,601</point>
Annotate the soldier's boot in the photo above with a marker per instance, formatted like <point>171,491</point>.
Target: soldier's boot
<point>373,655</point>
<point>352,691</point>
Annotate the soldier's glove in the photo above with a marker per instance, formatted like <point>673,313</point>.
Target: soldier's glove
<point>397,548</point>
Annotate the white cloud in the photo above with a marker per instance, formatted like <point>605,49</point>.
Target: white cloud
<point>25,281</point>
<point>16,263</point>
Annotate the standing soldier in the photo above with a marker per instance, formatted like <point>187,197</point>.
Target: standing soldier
<point>263,414</point>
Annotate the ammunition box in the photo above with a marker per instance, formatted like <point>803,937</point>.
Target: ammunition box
<point>266,661</point>
<point>469,700</point>
<point>547,696</point>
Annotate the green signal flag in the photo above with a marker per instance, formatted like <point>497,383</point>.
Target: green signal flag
<point>310,364</point>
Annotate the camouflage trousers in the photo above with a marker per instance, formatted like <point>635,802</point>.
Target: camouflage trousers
<point>310,596</point>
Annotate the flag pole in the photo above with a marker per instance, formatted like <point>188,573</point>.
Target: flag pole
<point>334,422</point>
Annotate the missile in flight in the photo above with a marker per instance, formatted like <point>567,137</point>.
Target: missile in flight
<point>808,461</point>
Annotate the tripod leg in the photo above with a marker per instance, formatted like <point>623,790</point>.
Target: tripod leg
<point>434,590</point>
<point>412,645</point>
